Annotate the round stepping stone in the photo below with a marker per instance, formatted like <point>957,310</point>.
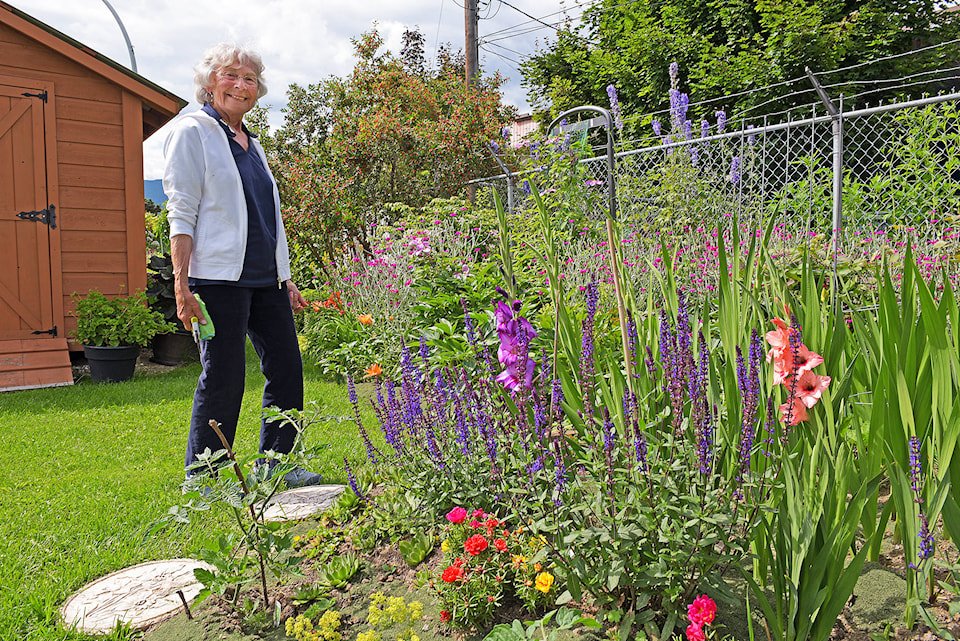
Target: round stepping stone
<point>301,503</point>
<point>138,596</point>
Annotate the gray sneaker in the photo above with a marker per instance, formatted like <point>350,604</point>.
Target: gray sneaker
<point>299,477</point>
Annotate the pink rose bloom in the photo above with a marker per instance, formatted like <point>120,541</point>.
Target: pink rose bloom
<point>457,515</point>
<point>702,611</point>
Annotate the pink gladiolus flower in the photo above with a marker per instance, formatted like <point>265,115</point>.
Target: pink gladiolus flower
<point>799,412</point>
<point>810,387</point>
<point>457,515</point>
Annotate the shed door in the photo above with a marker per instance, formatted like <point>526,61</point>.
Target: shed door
<point>26,296</point>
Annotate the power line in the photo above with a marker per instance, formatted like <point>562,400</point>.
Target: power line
<point>500,55</point>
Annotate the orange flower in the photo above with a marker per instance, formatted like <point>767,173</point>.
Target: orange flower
<point>365,319</point>
<point>317,305</point>
<point>373,370</point>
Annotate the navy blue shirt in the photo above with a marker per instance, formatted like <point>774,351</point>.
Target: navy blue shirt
<point>260,257</point>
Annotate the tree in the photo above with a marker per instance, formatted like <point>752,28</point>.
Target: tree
<point>391,131</point>
<point>724,47</point>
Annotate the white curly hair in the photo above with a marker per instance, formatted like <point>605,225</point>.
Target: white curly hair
<point>224,55</point>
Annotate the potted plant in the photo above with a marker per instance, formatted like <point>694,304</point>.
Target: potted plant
<point>112,331</point>
<point>169,348</point>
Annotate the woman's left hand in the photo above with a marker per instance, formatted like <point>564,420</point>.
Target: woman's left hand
<point>297,301</point>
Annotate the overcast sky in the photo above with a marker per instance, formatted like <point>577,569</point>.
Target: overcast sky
<point>301,41</point>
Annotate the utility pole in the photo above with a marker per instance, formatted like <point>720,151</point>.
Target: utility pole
<point>473,47</point>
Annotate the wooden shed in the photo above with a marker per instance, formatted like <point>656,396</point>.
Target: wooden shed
<point>72,126</point>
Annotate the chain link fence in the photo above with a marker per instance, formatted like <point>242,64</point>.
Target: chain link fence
<point>853,187</point>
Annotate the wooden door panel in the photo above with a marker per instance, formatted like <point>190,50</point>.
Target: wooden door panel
<point>26,301</point>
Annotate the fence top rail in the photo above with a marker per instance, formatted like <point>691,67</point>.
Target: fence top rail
<point>764,129</point>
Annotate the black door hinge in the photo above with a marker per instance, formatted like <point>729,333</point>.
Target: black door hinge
<point>42,95</point>
<point>46,216</point>
<point>52,332</point>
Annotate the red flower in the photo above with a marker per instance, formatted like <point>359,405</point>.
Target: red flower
<point>695,633</point>
<point>457,515</point>
<point>492,523</point>
<point>702,611</point>
<point>475,545</point>
<point>478,514</point>
<point>445,616</point>
<point>452,574</point>
<point>475,523</point>
<point>500,544</point>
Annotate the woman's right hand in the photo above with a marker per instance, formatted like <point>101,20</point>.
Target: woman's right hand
<point>188,308</point>
<point>181,247</point>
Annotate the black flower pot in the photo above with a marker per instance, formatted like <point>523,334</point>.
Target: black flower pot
<point>172,348</point>
<point>111,364</point>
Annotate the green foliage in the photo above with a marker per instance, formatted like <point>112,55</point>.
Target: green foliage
<point>728,48</point>
<point>338,570</point>
<point>389,132</point>
<point>485,565</point>
<point>563,619</point>
<point>417,548</point>
<point>258,545</point>
<point>122,320</point>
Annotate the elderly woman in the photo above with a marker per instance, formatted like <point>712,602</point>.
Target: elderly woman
<point>228,245</point>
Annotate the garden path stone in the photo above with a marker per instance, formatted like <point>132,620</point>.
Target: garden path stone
<point>139,596</point>
<point>301,503</point>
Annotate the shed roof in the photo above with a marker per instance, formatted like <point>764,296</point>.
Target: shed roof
<point>159,105</point>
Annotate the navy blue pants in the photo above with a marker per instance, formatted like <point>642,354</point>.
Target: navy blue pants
<point>265,316</point>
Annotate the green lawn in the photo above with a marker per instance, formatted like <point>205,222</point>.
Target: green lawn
<point>84,470</point>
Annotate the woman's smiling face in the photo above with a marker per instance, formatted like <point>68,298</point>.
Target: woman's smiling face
<point>234,92</point>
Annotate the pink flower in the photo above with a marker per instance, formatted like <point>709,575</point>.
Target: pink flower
<point>810,386</point>
<point>457,515</point>
<point>695,633</point>
<point>702,611</point>
<point>798,414</point>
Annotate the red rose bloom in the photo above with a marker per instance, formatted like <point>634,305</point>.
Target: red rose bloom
<point>500,544</point>
<point>475,545</point>
<point>452,574</point>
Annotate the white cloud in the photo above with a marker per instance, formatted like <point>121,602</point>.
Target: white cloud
<point>302,41</point>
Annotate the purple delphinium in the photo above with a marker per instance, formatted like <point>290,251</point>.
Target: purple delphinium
<point>609,443</point>
<point>656,126</point>
<point>721,121</point>
<point>702,410</point>
<point>634,342</point>
<point>587,365</point>
<point>674,71</point>
<point>615,106</point>
<point>735,170</point>
<point>704,128</point>
<point>352,393</point>
<point>751,138</point>
<point>353,480</point>
<point>505,133</point>
<point>916,471</point>
<point>494,147</point>
<point>694,156</point>
<point>687,130</point>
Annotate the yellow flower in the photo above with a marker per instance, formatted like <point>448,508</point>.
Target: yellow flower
<point>544,581</point>
<point>445,546</point>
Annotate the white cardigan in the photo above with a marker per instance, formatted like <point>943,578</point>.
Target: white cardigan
<point>205,198</point>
